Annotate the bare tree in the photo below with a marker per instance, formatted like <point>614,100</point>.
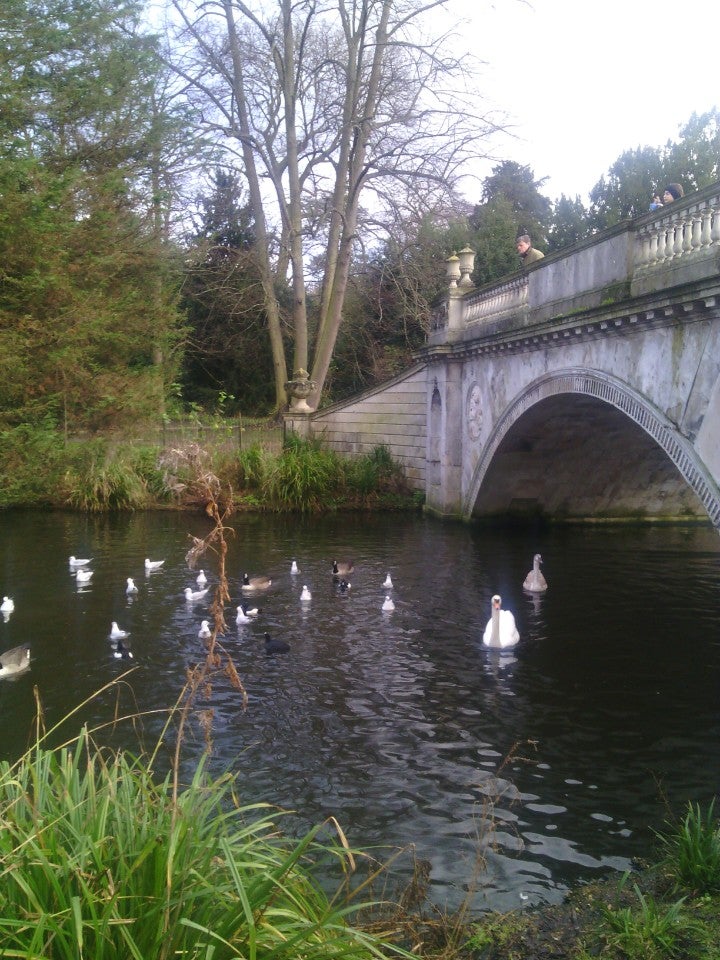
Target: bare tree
<point>324,102</point>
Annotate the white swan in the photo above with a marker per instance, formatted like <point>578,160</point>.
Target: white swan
<point>201,579</point>
<point>205,632</point>
<point>83,576</point>
<point>153,564</point>
<point>535,582</point>
<point>388,584</point>
<point>117,633</point>
<point>388,604</point>
<point>75,562</point>
<point>7,605</point>
<point>305,595</point>
<point>500,630</point>
<point>130,588</point>
<point>294,569</point>
<point>15,661</point>
<point>191,595</point>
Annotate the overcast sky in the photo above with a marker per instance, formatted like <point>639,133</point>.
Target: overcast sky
<point>583,81</point>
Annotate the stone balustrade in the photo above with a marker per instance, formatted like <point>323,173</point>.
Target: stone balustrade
<point>679,243</point>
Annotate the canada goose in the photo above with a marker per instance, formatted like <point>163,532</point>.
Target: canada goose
<point>255,583</point>
<point>117,633</point>
<point>342,568</point>
<point>15,660</point>
<point>388,604</point>
<point>153,564</point>
<point>500,630</point>
<point>535,582</point>
<point>120,651</point>
<point>342,585</point>
<point>275,646</point>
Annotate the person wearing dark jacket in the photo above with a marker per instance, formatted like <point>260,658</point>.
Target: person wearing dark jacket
<point>528,253</point>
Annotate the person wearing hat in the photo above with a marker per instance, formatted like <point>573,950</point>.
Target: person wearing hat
<point>528,253</point>
<point>673,191</point>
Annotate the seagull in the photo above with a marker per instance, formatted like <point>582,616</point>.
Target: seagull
<point>153,564</point>
<point>15,660</point>
<point>535,582</point>
<point>131,588</point>
<point>201,579</point>
<point>117,633</point>
<point>242,617</point>
<point>275,646</point>
<point>191,595</point>
<point>205,632</point>
<point>388,604</point>
<point>305,595</point>
<point>388,585</point>
<point>342,568</point>
<point>75,562</point>
<point>294,568</point>
<point>255,583</point>
<point>7,605</point>
<point>120,651</point>
<point>500,630</point>
<point>250,611</point>
<point>83,576</point>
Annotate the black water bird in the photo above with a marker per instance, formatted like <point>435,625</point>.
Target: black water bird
<point>275,646</point>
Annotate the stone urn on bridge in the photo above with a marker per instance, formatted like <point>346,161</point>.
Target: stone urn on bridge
<point>299,389</point>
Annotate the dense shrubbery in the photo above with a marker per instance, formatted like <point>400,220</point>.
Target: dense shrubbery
<point>38,469</point>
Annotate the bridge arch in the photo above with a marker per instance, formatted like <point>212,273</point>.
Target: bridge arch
<point>617,394</point>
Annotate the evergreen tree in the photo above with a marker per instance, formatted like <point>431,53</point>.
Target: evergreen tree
<point>87,304</point>
<point>570,223</point>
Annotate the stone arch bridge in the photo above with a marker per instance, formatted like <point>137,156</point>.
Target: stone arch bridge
<point>587,386</point>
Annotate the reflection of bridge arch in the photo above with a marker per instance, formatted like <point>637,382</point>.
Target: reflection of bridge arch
<point>619,395</point>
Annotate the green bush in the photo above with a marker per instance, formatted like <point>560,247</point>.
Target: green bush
<point>99,479</point>
<point>32,461</point>
<point>691,850</point>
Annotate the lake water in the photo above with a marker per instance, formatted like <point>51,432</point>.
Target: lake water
<point>553,762</point>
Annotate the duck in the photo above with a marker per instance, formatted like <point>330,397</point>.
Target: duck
<point>7,605</point>
<point>205,632</point>
<point>388,584</point>
<point>130,588</point>
<point>294,569</point>
<point>82,575</point>
<point>535,582</point>
<point>201,579</point>
<point>255,583</point>
<point>305,594</point>
<point>76,562</point>
<point>500,631</point>
<point>121,652</point>
<point>153,564</point>
<point>117,633</point>
<point>192,595</point>
<point>275,646</point>
<point>388,604</point>
<point>15,661</point>
<point>342,568</point>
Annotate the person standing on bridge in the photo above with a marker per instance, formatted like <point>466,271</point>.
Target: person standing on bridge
<point>673,191</point>
<point>528,253</point>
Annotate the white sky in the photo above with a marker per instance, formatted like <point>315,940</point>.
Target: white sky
<point>582,82</point>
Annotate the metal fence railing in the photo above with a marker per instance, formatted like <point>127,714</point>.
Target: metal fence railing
<point>239,434</point>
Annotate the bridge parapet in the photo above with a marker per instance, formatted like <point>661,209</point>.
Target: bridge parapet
<point>678,244</point>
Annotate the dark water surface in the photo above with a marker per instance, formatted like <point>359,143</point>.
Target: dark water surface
<point>555,760</point>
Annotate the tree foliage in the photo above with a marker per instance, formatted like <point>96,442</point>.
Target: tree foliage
<point>86,306</point>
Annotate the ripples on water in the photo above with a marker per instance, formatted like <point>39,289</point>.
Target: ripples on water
<point>553,762</point>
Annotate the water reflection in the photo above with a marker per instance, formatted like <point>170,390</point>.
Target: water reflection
<point>540,765</point>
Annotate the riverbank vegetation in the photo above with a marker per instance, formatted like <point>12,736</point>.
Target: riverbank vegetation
<point>39,468</point>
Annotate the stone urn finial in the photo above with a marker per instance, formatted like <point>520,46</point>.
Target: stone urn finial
<point>300,388</point>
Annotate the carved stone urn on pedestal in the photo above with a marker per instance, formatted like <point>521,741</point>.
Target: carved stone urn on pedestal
<point>300,388</point>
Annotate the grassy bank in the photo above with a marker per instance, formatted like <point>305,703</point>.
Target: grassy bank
<point>39,468</point>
